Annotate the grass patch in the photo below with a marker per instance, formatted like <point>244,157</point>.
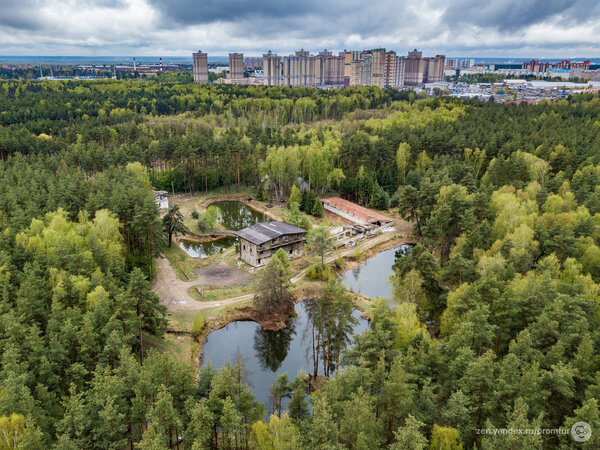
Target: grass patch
<point>182,264</point>
<point>220,293</point>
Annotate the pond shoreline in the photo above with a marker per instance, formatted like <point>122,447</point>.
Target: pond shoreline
<point>267,354</point>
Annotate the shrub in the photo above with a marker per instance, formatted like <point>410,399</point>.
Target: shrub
<point>197,326</point>
<point>356,255</point>
<point>260,193</point>
<point>295,195</point>
<point>195,214</point>
<point>320,272</point>
<point>203,225</point>
<point>207,222</point>
<point>339,262</point>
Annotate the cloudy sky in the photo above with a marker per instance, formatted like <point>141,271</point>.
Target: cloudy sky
<point>517,28</point>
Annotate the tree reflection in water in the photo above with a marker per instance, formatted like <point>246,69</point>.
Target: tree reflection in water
<point>272,346</point>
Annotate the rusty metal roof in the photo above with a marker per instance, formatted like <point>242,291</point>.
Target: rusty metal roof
<point>356,210</point>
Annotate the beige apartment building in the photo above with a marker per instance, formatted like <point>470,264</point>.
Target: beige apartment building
<point>303,69</point>
<point>200,64</point>
<point>272,69</point>
<point>419,70</point>
<point>333,68</point>
<point>377,68</point>
<point>236,66</point>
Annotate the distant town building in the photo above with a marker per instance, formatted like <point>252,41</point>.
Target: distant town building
<point>161,198</point>
<point>236,66</point>
<point>200,62</point>
<point>454,62</point>
<point>259,242</point>
<point>537,66</point>
<point>253,63</point>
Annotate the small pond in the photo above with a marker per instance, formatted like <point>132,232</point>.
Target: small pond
<point>266,354</point>
<point>234,216</point>
<point>204,249</point>
<point>371,277</point>
<point>237,215</point>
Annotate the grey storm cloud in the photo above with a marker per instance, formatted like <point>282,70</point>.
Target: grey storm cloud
<point>511,15</point>
<point>207,11</point>
<point>459,27</point>
<point>19,15</point>
<point>24,14</point>
<point>308,18</point>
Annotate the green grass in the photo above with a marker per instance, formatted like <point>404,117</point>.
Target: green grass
<point>220,293</point>
<point>182,264</point>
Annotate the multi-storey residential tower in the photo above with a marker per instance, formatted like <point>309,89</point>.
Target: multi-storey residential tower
<point>332,68</point>
<point>272,69</point>
<point>236,66</point>
<point>419,70</point>
<point>377,68</point>
<point>349,58</point>
<point>200,67</point>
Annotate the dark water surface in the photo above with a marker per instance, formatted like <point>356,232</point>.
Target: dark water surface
<point>266,353</point>
<point>371,277</point>
<point>204,249</point>
<point>237,215</point>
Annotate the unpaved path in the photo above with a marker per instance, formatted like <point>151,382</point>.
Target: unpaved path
<point>173,291</point>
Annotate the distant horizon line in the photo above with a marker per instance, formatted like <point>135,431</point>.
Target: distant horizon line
<point>249,55</point>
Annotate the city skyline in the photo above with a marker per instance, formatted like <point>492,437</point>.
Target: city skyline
<point>506,28</point>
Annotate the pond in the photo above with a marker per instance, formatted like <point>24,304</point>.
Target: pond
<point>266,354</point>
<point>234,216</point>
<point>371,277</point>
<point>204,249</point>
<point>237,215</point>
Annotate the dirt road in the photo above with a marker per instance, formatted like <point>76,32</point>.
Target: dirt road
<point>173,292</point>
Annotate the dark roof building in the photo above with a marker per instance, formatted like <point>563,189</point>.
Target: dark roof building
<point>259,242</point>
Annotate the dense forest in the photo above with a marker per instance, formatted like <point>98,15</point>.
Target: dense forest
<point>494,322</point>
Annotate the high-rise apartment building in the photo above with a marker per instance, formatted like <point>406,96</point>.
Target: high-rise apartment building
<point>236,66</point>
<point>349,58</point>
<point>304,69</point>
<point>377,68</point>
<point>333,68</point>
<point>394,67</point>
<point>419,70</point>
<point>272,69</point>
<point>200,64</point>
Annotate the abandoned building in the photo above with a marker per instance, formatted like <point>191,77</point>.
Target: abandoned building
<point>161,198</point>
<point>355,213</point>
<point>259,242</point>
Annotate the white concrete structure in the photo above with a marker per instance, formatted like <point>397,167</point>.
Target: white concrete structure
<point>161,198</point>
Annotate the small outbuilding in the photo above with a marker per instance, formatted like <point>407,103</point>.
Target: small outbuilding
<point>161,198</point>
<point>257,243</point>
